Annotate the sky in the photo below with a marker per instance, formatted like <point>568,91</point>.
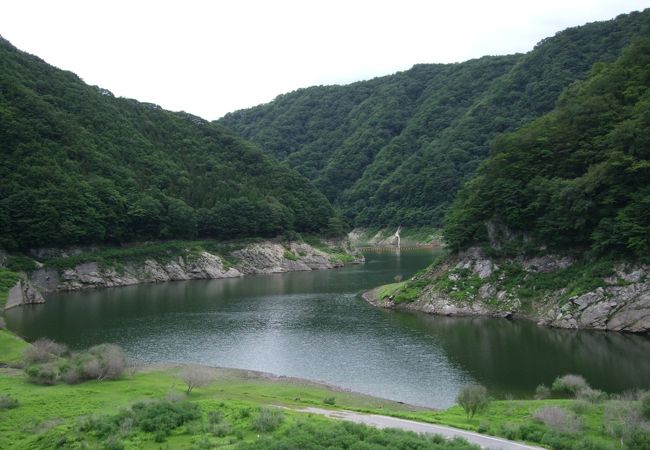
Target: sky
<point>212,57</point>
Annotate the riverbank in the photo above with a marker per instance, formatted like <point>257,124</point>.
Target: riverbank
<point>75,415</point>
<point>51,270</point>
<point>385,237</point>
<point>563,291</point>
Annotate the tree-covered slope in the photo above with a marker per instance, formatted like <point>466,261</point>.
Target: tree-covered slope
<point>396,149</point>
<point>80,166</point>
<point>577,177</point>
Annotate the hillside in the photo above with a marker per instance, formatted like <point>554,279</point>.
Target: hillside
<point>395,150</point>
<point>80,166</point>
<point>578,177</point>
<point>555,227</point>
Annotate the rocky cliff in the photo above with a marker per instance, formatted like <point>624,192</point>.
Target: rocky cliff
<point>554,290</point>
<point>256,258</point>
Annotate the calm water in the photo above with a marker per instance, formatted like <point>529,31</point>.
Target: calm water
<point>314,325</point>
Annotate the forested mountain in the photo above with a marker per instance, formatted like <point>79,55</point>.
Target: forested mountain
<point>396,149</point>
<point>577,177</point>
<point>81,166</point>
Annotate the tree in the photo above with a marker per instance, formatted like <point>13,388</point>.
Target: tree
<point>473,398</point>
<point>195,376</point>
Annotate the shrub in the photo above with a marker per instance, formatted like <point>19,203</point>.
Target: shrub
<point>195,376</point>
<point>44,374</point>
<point>329,400</point>
<point>542,392</point>
<point>579,406</point>
<point>638,439</point>
<point>473,399</point>
<point>558,419</point>
<point>21,264</point>
<point>70,373</point>
<point>645,405</point>
<point>591,395</point>
<point>219,429</point>
<point>110,361</point>
<point>215,417</point>
<point>622,418</point>
<point>8,402</point>
<point>163,416</point>
<point>510,431</point>
<point>113,443</point>
<point>531,432</point>
<point>268,420</point>
<point>569,384</point>
<point>43,350</point>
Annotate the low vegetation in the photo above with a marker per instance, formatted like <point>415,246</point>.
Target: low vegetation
<point>48,363</point>
<point>8,279</point>
<point>473,399</point>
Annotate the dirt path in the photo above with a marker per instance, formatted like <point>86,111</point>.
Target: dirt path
<point>484,441</point>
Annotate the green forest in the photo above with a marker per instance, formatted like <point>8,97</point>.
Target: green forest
<point>578,177</point>
<point>396,149</point>
<point>80,166</point>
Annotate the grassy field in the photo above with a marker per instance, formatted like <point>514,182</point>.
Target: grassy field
<point>11,347</point>
<point>48,416</point>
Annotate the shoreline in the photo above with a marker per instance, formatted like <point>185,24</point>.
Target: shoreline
<point>117,267</point>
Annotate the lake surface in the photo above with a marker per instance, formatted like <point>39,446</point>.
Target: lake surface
<point>315,325</point>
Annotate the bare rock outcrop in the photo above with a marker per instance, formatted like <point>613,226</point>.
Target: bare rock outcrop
<point>23,293</point>
<point>257,258</point>
<point>473,284</point>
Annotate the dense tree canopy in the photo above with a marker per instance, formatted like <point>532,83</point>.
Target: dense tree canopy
<point>577,177</point>
<point>396,149</point>
<point>80,166</point>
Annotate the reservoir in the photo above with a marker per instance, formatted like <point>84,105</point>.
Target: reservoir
<point>315,325</point>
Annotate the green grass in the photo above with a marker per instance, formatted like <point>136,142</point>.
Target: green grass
<point>7,280</point>
<point>160,251</point>
<point>11,348</point>
<point>291,256</point>
<point>49,414</point>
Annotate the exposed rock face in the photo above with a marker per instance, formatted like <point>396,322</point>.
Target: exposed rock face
<point>23,293</point>
<point>269,257</point>
<point>257,258</point>
<point>479,288</point>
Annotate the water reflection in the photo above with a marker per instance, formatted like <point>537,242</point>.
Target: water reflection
<point>314,325</point>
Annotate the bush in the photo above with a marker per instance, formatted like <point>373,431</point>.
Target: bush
<point>8,402</point>
<point>622,418</point>
<point>43,374</point>
<point>215,417</point>
<point>268,420</point>
<point>558,419</point>
<point>580,406</point>
<point>591,395</point>
<point>330,401</point>
<point>542,392</point>
<point>43,350</point>
<point>645,405</point>
<point>473,399</point>
<point>106,362</point>
<point>163,416</point>
<point>569,384</point>
<point>219,429</point>
<point>21,264</point>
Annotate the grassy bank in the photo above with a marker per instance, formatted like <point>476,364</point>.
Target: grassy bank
<point>237,410</point>
<point>75,415</point>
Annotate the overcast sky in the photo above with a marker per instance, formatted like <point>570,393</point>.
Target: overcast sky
<point>212,57</point>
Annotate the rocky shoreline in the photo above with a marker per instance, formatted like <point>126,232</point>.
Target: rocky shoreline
<point>263,257</point>
<point>473,284</point>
